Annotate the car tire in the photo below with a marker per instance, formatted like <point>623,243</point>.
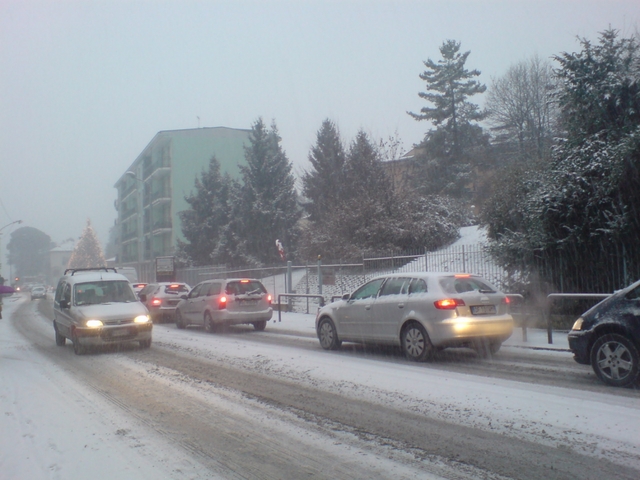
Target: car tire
<point>61,340</point>
<point>77,348</point>
<point>209,326</point>
<point>614,359</point>
<point>328,335</point>
<point>415,342</point>
<point>145,343</point>
<point>260,326</point>
<point>179,320</point>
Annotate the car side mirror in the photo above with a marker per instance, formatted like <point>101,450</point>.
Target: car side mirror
<point>184,296</point>
<point>142,297</point>
<point>346,296</point>
<point>64,303</point>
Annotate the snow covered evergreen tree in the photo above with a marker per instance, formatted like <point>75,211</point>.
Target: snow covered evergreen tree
<point>266,208</point>
<point>367,217</point>
<point>87,252</point>
<point>208,217</point>
<point>323,185</point>
<point>582,210</point>
<point>447,152</point>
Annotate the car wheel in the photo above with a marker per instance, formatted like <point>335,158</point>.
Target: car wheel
<point>328,335</point>
<point>615,359</point>
<point>77,348</point>
<point>60,339</point>
<point>145,343</point>
<point>179,320</point>
<point>208,323</point>
<point>486,348</point>
<point>260,326</point>
<point>415,342</point>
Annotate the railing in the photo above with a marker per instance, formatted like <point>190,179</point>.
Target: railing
<point>298,295</point>
<point>552,296</point>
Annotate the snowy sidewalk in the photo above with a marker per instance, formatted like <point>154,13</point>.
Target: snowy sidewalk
<point>537,339</point>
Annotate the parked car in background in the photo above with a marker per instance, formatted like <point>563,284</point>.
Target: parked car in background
<point>607,336</point>
<point>421,313</point>
<point>38,291</point>
<point>138,286</point>
<point>162,298</point>
<point>215,303</point>
<point>94,307</point>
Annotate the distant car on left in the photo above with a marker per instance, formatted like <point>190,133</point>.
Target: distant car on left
<point>96,307</point>
<point>38,291</point>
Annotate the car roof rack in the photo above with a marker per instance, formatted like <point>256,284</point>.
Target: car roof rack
<point>91,269</point>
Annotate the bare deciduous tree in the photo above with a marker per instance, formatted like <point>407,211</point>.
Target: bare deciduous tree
<point>521,108</point>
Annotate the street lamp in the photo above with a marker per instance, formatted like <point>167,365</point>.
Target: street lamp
<point>7,225</point>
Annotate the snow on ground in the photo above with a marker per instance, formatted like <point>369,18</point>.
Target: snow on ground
<point>53,427</point>
<point>51,423</point>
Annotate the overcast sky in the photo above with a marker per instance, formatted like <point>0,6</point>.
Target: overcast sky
<point>85,85</point>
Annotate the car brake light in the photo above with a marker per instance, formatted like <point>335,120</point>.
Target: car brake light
<point>269,299</point>
<point>174,286</point>
<point>244,281</point>
<point>156,301</point>
<point>462,275</point>
<point>506,300</point>
<point>448,303</point>
<point>222,303</point>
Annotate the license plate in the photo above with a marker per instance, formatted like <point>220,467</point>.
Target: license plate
<point>249,302</point>
<point>483,310</point>
<point>120,333</point>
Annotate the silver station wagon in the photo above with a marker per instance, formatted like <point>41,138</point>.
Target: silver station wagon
<point>421,313</point>
<point>216,303</point>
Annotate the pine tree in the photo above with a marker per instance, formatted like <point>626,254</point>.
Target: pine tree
<point>208,217</point>
<point>266,208</point>
<point>87,253</point>
<point>446,150</point>
<point>324,184</point>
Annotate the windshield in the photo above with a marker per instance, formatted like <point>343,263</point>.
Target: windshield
<point>94,293</point>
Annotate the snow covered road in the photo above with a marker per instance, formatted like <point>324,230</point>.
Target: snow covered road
<point>272,404</point>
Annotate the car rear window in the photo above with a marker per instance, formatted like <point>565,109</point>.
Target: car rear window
<point>245,287</point>
<point>176,289</point>
<point>453,285</point>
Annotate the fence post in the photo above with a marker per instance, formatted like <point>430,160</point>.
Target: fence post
<point>288,282</point>
<point>319,275</point>
<point>464,261</point>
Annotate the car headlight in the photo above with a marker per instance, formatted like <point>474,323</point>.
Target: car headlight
<point>141,319</point>
<point>94,323</point>
<point>578,324</point>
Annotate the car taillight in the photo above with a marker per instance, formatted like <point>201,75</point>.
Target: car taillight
<point>156,301</point>
<point>448,303</point>
<point>506,300</point>
<point>222,303</point>
<point>269,299</point>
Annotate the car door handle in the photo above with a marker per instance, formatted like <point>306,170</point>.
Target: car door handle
<point>367,307</point>
<point>401,305</point>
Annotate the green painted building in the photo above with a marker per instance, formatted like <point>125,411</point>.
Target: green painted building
<point>151,192</point>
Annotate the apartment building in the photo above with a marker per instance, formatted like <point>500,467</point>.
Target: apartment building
<point>151,191</point>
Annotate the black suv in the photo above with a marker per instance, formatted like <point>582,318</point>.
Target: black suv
<point>607,336</point>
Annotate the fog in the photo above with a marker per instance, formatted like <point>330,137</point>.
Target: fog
<point>84,86</point>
